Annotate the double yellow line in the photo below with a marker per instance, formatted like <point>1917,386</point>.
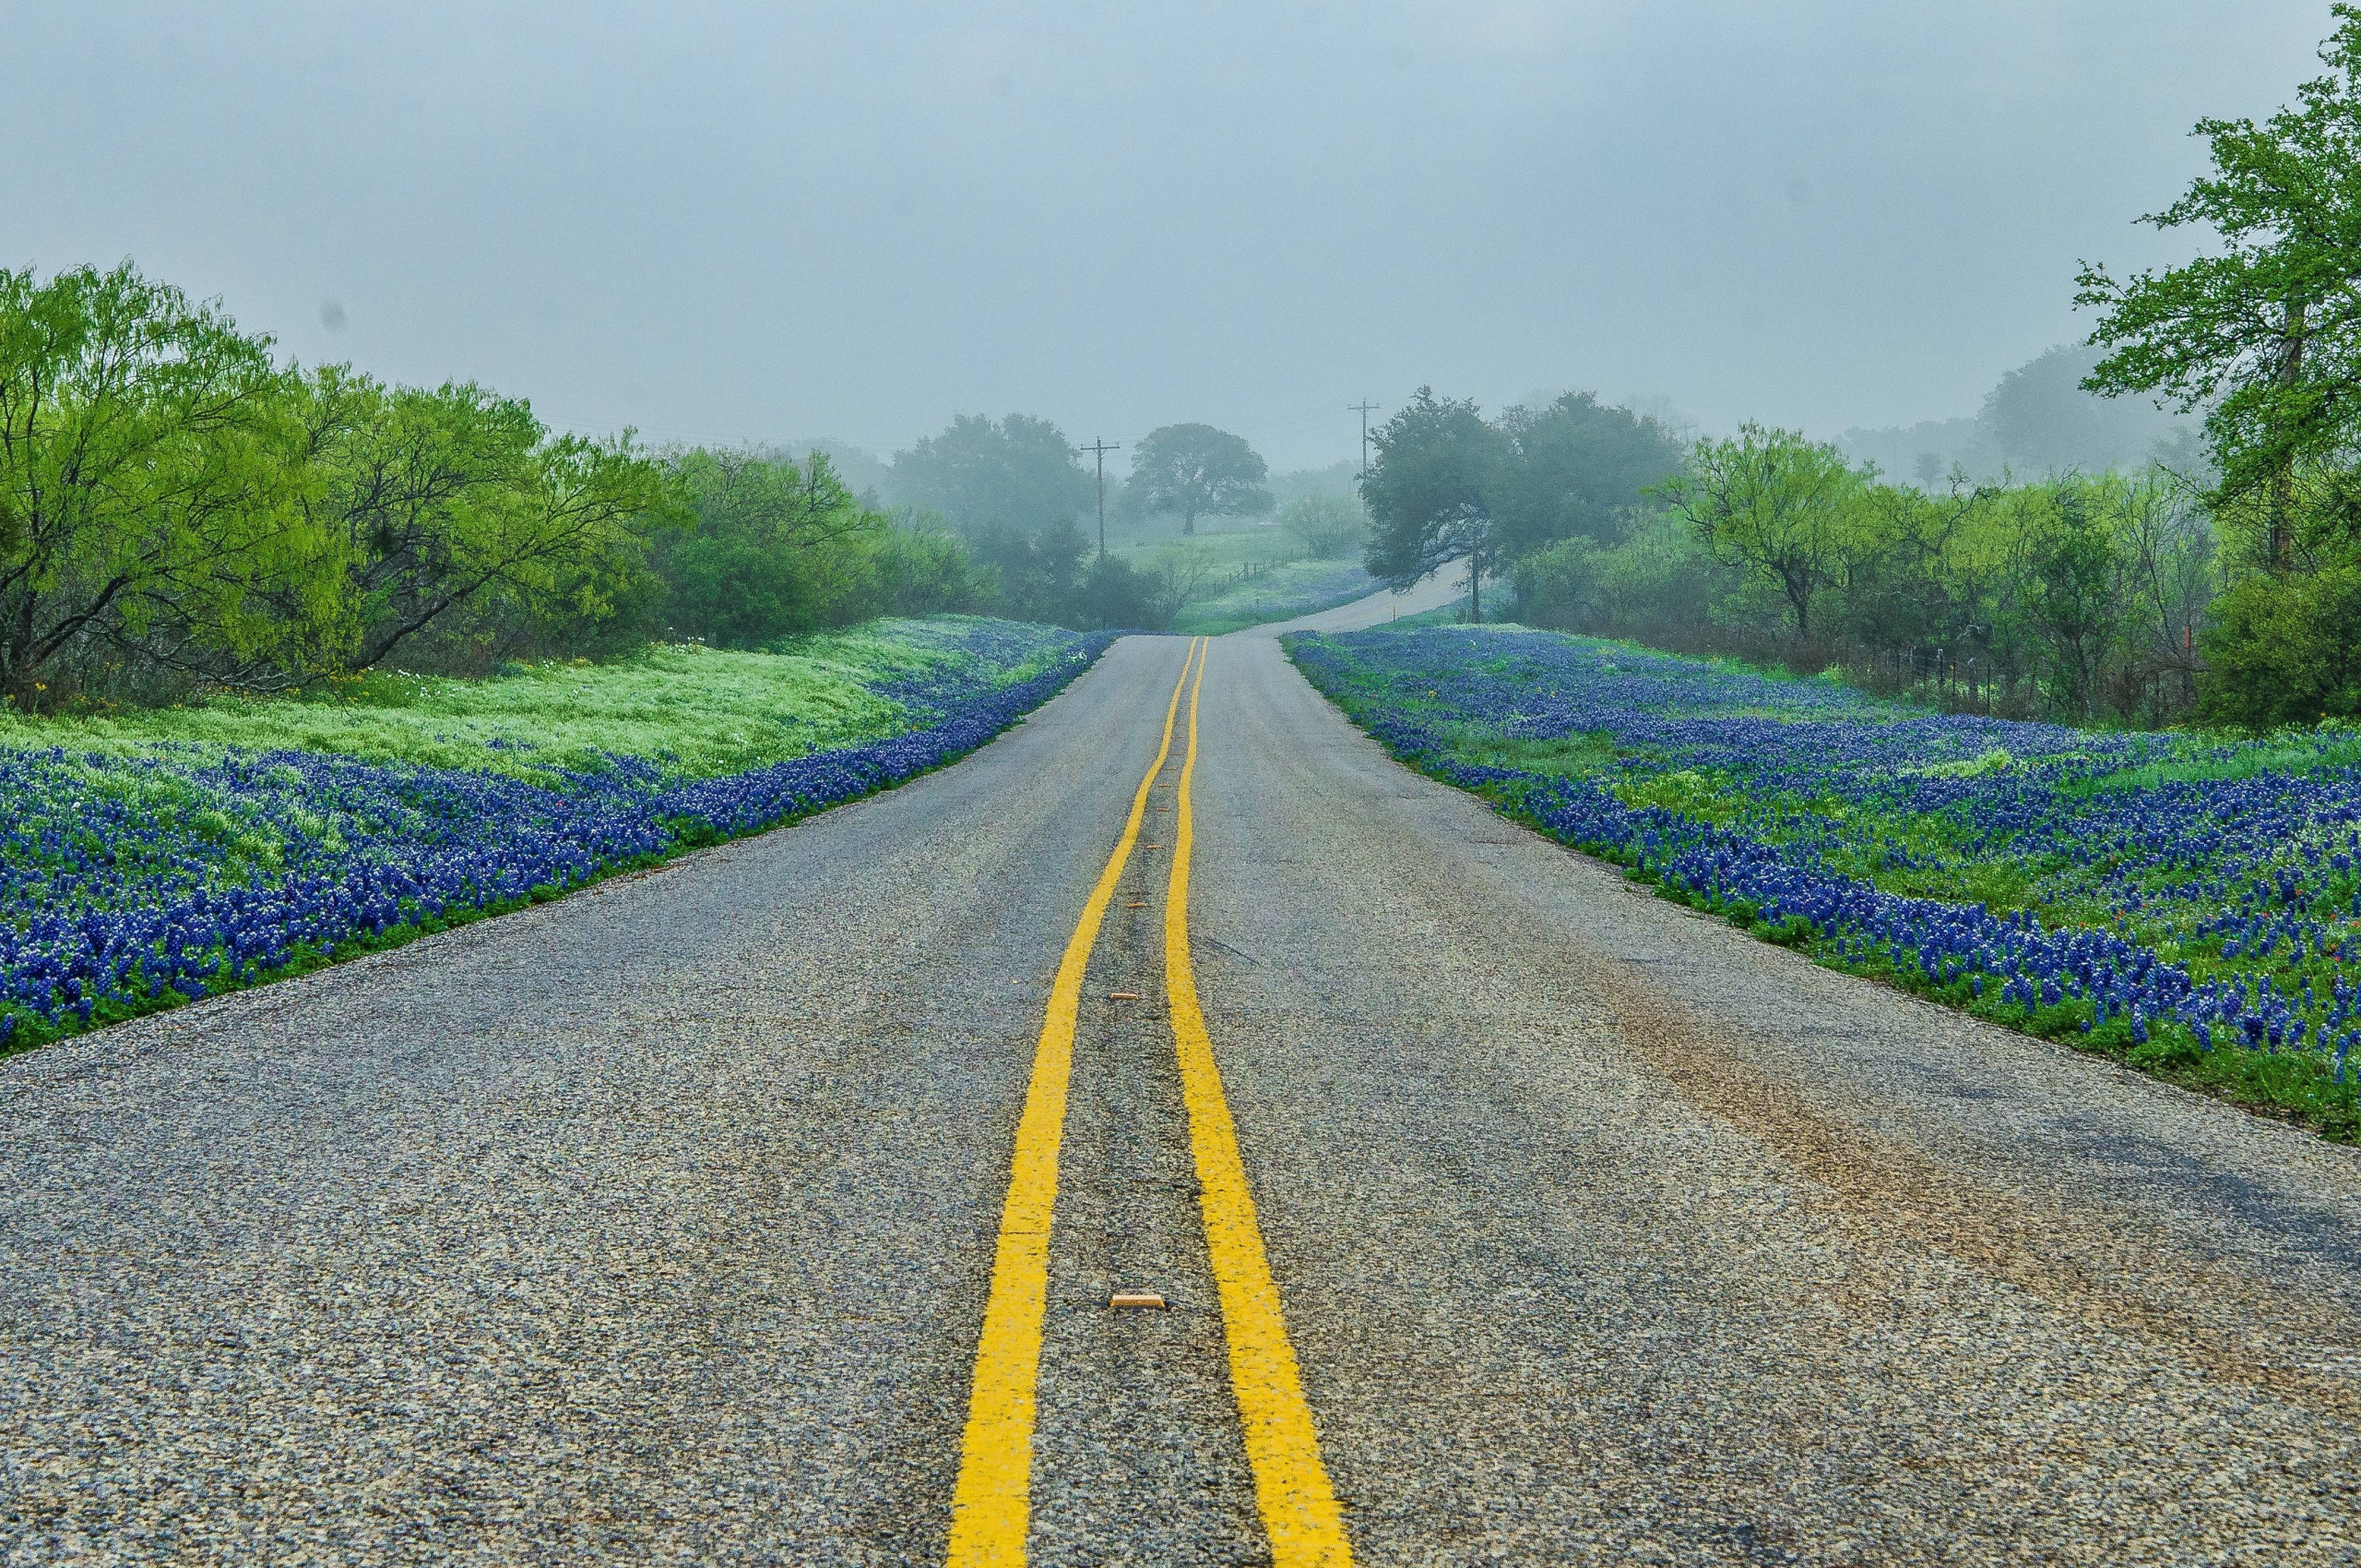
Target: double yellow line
<point>991,1507</point>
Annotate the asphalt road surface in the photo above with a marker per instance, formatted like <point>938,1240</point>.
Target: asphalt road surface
<point>659,1223</point>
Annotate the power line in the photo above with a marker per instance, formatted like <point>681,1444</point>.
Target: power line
<point>1364,409</point>
<point>1099,449</point>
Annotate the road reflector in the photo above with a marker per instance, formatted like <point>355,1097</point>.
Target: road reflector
<point>1136,1299</point>
<point>1123,996</point>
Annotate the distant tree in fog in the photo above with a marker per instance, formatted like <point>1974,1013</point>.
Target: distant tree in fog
<point>1194,470</point>
<point>1017,472</point>
<point>1432,472</point>
<point>2042,421</point>
<point>1577,465</point>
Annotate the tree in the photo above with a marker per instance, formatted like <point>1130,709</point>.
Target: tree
<point>1429,493</point>
<point>2040,419</point>
<point>760,562</point>
<point>151,475</point>
<point>2071,589</point>
<point>1777,504</point>
<point>1328,525</point>
<point>2284,651</point>
<point>1576,467</point>
<point>2268,333</point>
<point>446,499</point>
<point>1196,471</point>
<point>1115,593</point>
<point>1017,472</point>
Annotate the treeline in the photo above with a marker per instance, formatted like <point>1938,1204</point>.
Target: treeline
<point>2078,595</point>
<point>2222,580</point>
<point>179,510</point>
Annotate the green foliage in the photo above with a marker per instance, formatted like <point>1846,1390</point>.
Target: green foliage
<point>772,550</point>
<point>153,492</point>
<point>2075,597</point>
<point>1018,474</point>
<point>2266,335</point>
<point>1328,525</point>
<point>1194,470</point>
<point>1435,468</point>
<point>178,512</point>
<point>1558,584</point>
<point>1577,467</point>
<point>2285,651</point>
<point>458,505</point>
<point>700,711</point>
<point>1446,485</point>
<point>1774,503</point>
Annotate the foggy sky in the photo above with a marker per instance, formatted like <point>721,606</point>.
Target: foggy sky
<point>769,222</point>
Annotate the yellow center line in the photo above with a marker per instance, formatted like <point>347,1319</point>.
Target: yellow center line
<point>1291,1486</point>
<point>991,1507</point>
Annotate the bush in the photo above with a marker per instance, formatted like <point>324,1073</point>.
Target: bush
<point>1557,586</point>
<point>2285,651</point>
<point>1329,526</point>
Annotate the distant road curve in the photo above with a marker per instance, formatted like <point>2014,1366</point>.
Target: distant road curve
<point>1445,584</point>
<point>659,1222</point>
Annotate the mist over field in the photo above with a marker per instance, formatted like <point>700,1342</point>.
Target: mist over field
<point>729,224</point>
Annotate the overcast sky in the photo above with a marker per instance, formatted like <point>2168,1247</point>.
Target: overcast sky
<point>769,222</point>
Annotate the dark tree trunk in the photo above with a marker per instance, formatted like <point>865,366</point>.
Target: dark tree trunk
<point>2282,484</point>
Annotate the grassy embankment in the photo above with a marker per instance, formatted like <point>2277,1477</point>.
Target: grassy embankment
<point>1251,574</point>
<point>2235,861</point>
<point>150,857</point>
<point>700,712</point>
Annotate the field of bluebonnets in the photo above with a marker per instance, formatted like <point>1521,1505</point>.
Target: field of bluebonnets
<point>2189,903</point>
<point>155,857</point>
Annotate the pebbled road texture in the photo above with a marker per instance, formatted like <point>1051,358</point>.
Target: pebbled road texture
<point>655,1225</point>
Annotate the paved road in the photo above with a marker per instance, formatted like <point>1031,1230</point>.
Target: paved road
<point>658,1223</point>
<point>1444,585</point>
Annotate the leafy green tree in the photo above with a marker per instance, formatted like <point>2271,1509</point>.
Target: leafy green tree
<point>1114,593</point>
<point>1783,507</point>
<point>151,481</point>
<point>2266,335</point>
<point>2071,592</point>
<point>1559,584</point>
<point>448,501</point>
<point>1436,465</point>
<point>1576,466</point>
<point>1329,525</point>
<point>915,568</point>
<point>1013,473</point>
<point>758,565</point>
<point>1194,470</point>
<point>2284,651</point>
<point>1038,575</point>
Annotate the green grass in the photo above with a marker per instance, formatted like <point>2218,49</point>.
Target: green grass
<point>702,711</point>
<point>1281,593</point>
<point>1284,583</point>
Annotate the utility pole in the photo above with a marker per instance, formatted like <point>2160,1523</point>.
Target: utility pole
<point>1364,410</point>
<point>1099,449</point>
